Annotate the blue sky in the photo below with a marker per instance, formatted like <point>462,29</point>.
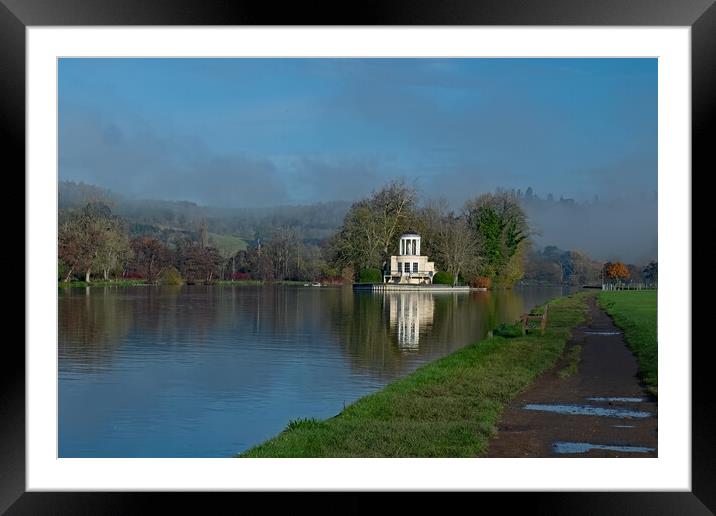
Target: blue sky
<point>261,132</point>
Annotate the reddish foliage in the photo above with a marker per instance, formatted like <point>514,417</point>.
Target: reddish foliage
<point>332,280</point>
<point>616,271</point>
<point>240,276</point>
<point>481,282</point>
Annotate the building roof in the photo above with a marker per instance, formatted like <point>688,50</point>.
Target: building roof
<point>410,233</point>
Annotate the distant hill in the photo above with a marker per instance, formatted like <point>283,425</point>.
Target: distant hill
<point>231,227</point>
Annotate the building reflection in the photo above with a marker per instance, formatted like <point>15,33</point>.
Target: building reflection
<point>409,314</point>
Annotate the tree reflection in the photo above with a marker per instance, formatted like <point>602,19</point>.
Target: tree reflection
<point>91,324</point>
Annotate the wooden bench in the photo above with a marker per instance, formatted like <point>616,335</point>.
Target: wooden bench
<point>526,318</point>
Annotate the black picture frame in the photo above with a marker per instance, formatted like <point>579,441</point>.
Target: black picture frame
<point>16,15</point>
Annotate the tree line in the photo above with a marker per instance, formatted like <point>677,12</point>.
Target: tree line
<point>485,243</point>
<point>95,243</point>
<point>572,267</point>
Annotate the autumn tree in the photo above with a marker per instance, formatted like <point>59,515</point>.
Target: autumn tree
<point>616,271</point>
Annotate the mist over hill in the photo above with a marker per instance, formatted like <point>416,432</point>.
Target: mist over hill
<point>617,229</point>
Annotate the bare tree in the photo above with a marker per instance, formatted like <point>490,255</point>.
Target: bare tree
<point>371,227</point>
<point>456,246</point>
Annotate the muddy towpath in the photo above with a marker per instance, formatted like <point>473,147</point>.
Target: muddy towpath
<point>591,404</point>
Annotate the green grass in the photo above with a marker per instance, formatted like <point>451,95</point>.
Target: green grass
<point>448,408</point>
<point>228,245</point>
<point>101,283</point>
<point>634,311</point>
<point>260,282</point>
<point>573,358</point>
<point>508,330</point>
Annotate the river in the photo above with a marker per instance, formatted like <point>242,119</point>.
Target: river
<point>209,371</point>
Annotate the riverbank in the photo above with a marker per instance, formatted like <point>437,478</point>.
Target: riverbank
<point>135,282</point>
<point>102,283</point>
<point>635,312</point>
<point>448,408</point>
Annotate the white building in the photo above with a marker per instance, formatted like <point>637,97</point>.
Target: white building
<point>409,266</point>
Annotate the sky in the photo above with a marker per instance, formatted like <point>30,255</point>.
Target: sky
<point>266,132</point>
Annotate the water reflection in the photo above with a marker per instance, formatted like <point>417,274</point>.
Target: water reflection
<point>202,371</point>
<point>410,313</point>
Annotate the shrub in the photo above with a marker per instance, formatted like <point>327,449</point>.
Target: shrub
<point>480,282</point>
<point>508,330</point>
<point>170,276</point>
<point>443,278</point>
<point>303,423</point>
<point>370,275</point>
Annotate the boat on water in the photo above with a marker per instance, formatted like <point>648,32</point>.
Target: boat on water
<point>315,284</point>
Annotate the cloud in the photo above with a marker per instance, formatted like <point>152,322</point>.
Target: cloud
<point>329,178</point>
<point>134,160</point>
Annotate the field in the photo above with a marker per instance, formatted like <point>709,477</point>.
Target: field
<point>227,245</point>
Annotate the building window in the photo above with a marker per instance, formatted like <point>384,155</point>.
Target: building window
<point>400,268</point>
<point>415,267</point>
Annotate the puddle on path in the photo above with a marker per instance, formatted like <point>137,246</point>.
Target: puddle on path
<point>586,410</point>
<point>623,426</point>
<point>568,447</point>
<point>625,400</point>
<point>602,333</point>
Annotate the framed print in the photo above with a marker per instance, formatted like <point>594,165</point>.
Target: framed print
<point>414,250</point>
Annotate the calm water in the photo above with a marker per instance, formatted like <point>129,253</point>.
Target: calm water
<point>210,371</point>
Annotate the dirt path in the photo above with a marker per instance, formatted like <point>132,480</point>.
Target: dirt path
<point>602,410</point>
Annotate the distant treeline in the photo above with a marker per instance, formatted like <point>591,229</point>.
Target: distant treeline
<point>490,240</point>
<point>315,222</point>
<point>568,267</point>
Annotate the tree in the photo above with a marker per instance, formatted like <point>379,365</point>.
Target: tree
<point>202,233</point>
<point>651,272</point>
<point>616,271</point>
<point>500,227</point>
<point>392,207</point>
<point>150,257</point>
<point>456,246</point>
<point>370,229</point>
<point>74,250</point>
<point>90,239</point>
<point>356,244</point>
<point>115,250</point>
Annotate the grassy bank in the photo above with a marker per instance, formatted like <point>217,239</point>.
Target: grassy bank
<point>101,283</point>
<point>634,311</point>
<point>448,408</point>
<point>259,282</point>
